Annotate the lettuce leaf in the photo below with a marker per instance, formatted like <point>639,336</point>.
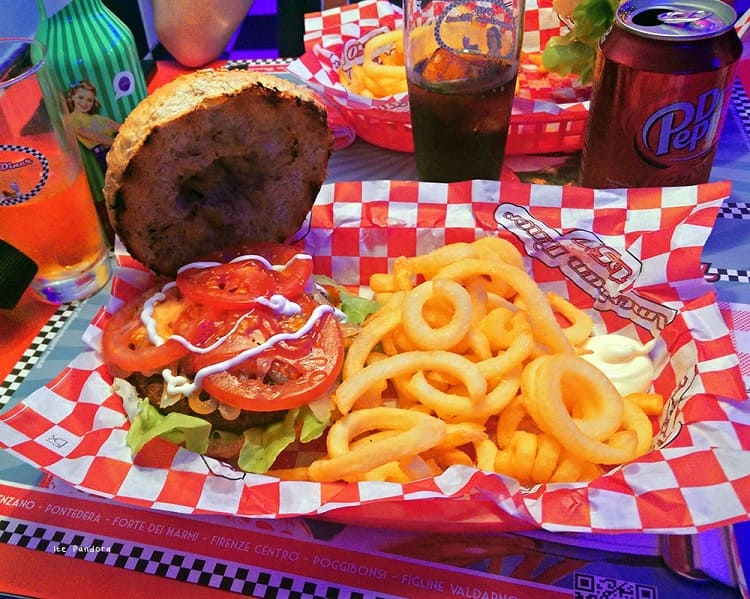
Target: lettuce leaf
<point>182,429</point>
<point>311,428</point>
<point>262,444</point>
<point>355,307</point>
<point>575,52</point>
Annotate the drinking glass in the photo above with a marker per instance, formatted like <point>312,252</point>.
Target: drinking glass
<point>46,207</point>
<point>461,61</point>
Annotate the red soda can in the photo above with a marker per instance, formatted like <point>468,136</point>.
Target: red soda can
<point>661,88</point>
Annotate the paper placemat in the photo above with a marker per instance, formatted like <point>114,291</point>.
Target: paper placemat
<point>74,428</point>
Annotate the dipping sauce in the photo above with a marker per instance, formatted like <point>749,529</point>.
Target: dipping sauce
<point>625,361</point>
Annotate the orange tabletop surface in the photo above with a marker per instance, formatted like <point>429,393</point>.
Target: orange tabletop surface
<point>18,327</point>
<point>21,568</point>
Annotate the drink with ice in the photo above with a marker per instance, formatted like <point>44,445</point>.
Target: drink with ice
<point>59,229</point>
<point>461,62</point>
<point>460,106</point>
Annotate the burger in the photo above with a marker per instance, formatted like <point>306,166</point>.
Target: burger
<point>235,358</point>
<point>234,350</point>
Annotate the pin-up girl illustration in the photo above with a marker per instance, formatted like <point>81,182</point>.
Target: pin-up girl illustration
<point>494,41</point>
<point>93,130</point>
<point>500,44</point>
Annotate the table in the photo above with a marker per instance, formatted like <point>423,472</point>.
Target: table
<point>167,552</point>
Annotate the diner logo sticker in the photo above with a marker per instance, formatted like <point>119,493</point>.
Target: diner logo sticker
<point>23,173</point>
<point>603,272</point>
<point>484,27</point>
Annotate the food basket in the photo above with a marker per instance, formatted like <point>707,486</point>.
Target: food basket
<point>529,133</point>
<point>643,278</point>
<point>539,133</point>
<point>385,128</point>
<point>549,113</point>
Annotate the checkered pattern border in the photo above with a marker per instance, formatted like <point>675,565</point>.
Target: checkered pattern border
<point>732,209</point>
<point>735,210</point>
<point>732,275</point>
<point>256,64</point>
<point>201,571</point>
<point>36,350</point>
<point>741,103</point>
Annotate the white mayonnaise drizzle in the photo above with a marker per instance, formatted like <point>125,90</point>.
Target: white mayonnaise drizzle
<point>147,314</point>
<point>625,361</point>
<point>181,385</point>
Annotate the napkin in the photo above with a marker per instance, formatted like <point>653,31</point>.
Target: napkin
<point>694,479</point>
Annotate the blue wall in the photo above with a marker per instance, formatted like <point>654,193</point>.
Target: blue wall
<point>20,17</point>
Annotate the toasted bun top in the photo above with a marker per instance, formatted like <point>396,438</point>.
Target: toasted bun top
<point>212,159</point>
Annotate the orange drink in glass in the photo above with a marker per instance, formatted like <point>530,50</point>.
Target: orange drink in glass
<point>46,207</point>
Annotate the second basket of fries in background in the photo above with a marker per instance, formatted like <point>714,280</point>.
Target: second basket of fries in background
<point>379,74</point>
<point>354,58</point>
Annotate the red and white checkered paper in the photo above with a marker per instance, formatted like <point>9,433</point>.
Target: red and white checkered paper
<point>335,38</point>
<point>697,478</point>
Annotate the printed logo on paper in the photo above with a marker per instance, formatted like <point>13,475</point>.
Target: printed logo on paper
<point>23,173</point>
<point>478,27</point>
<point>352,51</point>
<point>604,273</point>
<point>673,418</point>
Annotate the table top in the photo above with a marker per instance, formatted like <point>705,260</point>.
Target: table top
<point>326,555</point>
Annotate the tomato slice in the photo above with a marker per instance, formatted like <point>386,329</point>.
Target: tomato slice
<point>252,329</point>
<point>232,286</point>
<point>299,266</point>
<point>204,326</point>
<point>277,380</point>
<point>125,342</point>
<point>290,280</point>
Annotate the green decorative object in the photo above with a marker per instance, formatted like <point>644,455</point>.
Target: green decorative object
<point>94,55</point>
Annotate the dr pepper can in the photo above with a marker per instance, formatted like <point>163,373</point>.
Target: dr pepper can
<point>662,83</point>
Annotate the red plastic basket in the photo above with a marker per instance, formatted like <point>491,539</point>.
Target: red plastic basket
<point>534,133</point>
<point>540,133</point>
<point>384,128</point>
